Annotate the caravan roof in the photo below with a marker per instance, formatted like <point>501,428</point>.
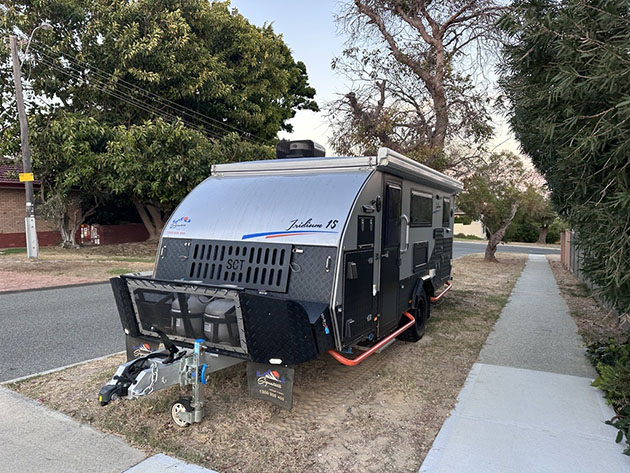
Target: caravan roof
<point>386,160</point>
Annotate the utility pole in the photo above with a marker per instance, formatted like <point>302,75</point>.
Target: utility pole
<point>32,246</point>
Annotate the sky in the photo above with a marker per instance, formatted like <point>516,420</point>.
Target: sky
<point>309,29</point>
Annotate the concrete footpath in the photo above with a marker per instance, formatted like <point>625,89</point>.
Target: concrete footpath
<point>528,405</point>
<point>34,438</point>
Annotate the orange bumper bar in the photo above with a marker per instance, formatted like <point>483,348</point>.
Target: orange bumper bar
<point>342,359</point>
<point>438,297</point>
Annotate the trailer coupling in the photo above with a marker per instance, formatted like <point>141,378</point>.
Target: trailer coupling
<point>161,369</point>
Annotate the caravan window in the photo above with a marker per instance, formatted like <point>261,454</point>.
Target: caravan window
<point>392,215</point>
<point>421,209</point>
<point>446,213</point>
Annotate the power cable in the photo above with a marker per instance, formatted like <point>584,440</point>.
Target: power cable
<point>151,109</point>
<point>167,102</point>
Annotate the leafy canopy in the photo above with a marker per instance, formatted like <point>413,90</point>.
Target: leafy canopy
<point>199,54</point>
<point>492,191</point>
<point>566,75</point>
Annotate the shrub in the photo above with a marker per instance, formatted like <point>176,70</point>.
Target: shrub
<point>612,362</point>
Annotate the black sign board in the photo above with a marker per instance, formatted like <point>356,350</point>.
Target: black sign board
<point>271,383</point>
<point>137,347</point>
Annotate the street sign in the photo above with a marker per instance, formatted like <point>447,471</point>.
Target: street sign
<point>26,177</point>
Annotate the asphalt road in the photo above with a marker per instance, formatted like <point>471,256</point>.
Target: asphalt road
<point>462,248</point>
<point>42,330</point>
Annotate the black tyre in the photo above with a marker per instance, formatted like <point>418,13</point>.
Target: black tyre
<point>421,314</point>
<point>181,405</point>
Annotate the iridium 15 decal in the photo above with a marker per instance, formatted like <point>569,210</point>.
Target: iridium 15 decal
<point>297,227</point>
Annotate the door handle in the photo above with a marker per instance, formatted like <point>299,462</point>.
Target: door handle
<point>406,247</point>
<point>385,254</point>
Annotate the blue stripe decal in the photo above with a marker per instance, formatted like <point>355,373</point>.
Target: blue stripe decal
<point>256,235</point>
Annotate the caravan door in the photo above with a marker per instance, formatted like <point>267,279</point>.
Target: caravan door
<point>390,255</point>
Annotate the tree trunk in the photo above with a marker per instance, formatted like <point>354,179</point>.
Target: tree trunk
<point>151,218</point>
<point>542,234</point>
<point>496,237</point>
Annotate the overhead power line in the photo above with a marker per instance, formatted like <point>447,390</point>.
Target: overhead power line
<point>146,107</point>
<point>128,87</point>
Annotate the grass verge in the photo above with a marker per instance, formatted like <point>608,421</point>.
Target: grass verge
<point>95,262</point>
<point>380,416</point>
<point>595,323</point>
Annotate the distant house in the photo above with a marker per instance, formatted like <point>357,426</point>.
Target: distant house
<point>13,209</point>
<point>474,228</point>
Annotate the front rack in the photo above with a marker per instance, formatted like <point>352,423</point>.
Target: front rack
<point>187,311</point>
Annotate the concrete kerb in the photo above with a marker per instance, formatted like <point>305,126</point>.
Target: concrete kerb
<point>55,370</point>
<point>46,288</point>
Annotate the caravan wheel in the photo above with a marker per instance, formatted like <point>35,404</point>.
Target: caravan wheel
<point>421,314</point>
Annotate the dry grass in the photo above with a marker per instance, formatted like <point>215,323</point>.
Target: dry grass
<point>595,323</point>
<point>381,416</point>
<point>95,263</point>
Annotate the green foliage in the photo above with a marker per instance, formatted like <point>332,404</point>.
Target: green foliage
<point>199,54</point>
<point>159,162</point>
<point>612,361</point>
<point>566,75</point>
<point>522,230</point>
<point>68,152</point>
<point>463,219</point>
<point>533,218</point>
<point>463,236</point>
<point>13,251</point>
<point>555,229</point>
<point>492,191</point>
<point>162,54</point>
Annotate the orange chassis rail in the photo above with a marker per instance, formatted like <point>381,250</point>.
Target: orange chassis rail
<point>449,285</point>
<point>343,360</point>
<point>348,362</point>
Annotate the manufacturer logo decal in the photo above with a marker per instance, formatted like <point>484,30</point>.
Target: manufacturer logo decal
<point>180,222</point>
<point>270,378</point>
<point>141,350</point>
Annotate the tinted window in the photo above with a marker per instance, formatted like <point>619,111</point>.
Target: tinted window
<point>421,209</point>
<point>446,213</point>
<point>392,217</point>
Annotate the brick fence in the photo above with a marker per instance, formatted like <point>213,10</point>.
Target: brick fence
<point>108,235</point>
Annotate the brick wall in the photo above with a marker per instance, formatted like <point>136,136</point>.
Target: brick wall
<point>12,209</point>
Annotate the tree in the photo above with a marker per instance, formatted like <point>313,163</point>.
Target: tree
<point>566,76</point>
<point>132,66</point>
<point>534,217</point>
<point>158,163</point>
<point>493,194</point>
<point>69,155</point>
<point>540,212</point>
<point>195,53</point>
<point>407,61</point>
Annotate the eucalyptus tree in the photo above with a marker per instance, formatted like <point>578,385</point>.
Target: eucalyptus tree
<point>410,62</point>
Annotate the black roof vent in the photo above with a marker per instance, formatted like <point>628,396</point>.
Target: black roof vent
<point>299,149</point>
